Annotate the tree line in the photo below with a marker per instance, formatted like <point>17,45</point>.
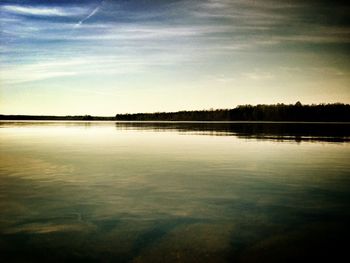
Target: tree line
<point>261,112</point>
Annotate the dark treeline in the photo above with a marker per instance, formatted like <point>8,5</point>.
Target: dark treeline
<point>277,112</point>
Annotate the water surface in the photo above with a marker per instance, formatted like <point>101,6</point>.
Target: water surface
<point>173,192</point>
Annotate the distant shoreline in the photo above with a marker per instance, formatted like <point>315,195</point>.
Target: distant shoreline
<point>336,112</point>
<point>179,122</point>
<point>54,118</point>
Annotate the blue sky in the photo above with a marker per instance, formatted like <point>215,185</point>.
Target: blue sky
<point>106,57</point>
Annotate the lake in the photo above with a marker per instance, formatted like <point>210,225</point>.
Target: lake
<point>173,192</point>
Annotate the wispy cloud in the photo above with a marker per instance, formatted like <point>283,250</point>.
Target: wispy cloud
<point>41,11</point>
<point>90,15</point>
<point>142,31</point>
<point>93,65</point>
<point>38,71</point>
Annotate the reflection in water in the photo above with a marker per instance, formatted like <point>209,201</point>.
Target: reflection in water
<point>143,192</point>
<point>336,132</point>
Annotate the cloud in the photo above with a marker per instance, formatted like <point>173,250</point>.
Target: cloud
<point>41,11</point>
<point>90,15</point>
<point>93,65</point>
<point>201,30</point>
<point>151,32</point>
<point>39,71</point>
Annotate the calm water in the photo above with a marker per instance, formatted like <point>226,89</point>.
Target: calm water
<point>173,192</point>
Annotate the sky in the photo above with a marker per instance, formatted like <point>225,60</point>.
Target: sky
<point>70,57</point>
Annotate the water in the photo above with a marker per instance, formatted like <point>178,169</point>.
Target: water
<point>173,192</point>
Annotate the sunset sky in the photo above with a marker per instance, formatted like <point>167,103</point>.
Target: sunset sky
<point>70,57</point>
